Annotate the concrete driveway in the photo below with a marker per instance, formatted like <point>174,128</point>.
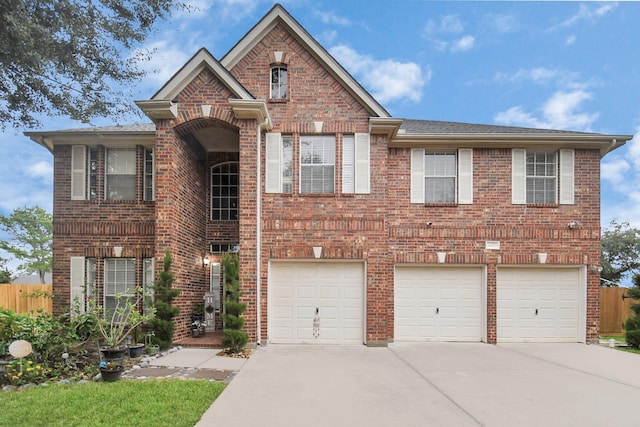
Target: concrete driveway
<point>432,384</point>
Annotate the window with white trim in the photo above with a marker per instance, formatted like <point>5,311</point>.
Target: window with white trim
<point>444,177</point>
<point>317,164</point>
<point>149,175</point>
<point>287,164</point>
<point>279,82</point>
<point>92,173</point>
<point>119,282</point>
<point>440,177</point>
<point>147,284</point>
<point>542,176</point>
<point>120,182</point>
<point>214,284</point>
<point>224,192</point>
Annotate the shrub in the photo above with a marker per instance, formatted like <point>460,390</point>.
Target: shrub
<point>232,336</point>
<point>162,325</point>
<point>633,338</point>
<point>26,371</point>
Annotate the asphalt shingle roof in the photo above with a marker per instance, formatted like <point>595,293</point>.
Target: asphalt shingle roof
<point>431,127</point>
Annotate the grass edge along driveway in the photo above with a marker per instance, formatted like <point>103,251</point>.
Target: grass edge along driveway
<point>143,403</point>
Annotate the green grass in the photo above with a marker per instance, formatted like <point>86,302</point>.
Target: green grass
<point>140,403</point>
<point>620,338</point>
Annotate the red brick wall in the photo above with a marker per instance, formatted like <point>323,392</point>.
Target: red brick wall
<point>382,228</point>
<point>91,228</point>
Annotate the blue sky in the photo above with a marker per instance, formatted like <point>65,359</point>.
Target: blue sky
<point>561,65</point>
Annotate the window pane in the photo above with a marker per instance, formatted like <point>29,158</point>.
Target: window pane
<point>121,174</point>
<point>121,187</point>
<point>541,170</point>
<point>440,177</point>
<point>317,159</point>
<point>224,192</point>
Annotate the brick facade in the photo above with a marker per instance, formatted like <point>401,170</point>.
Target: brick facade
<point>382,228</point>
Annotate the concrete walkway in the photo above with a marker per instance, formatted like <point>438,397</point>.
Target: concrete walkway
<point>434,384</point>
<point>195,363</point>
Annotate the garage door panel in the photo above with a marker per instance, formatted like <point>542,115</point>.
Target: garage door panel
<point>297,289</point>
<point>438,304</point>
<point>553,292</point>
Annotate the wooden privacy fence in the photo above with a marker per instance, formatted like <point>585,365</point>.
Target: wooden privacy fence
<point>25,298</point>
<point>614,310</point>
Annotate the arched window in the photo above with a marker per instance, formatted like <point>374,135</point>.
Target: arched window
<point>224,192</point>
<point>279,82</point>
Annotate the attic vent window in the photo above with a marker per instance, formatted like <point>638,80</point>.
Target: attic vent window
<point>279,82</point>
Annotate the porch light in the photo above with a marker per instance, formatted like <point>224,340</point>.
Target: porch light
<point>205,261</point>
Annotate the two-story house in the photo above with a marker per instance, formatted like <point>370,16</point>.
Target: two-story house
<point>351,226</point>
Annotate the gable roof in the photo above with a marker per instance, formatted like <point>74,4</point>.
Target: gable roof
<point>279,16</point>
<point>194,66</point>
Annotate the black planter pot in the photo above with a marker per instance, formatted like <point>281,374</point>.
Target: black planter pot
<point>110,375</point>
<point>111,353</point>
<point>136,350</point>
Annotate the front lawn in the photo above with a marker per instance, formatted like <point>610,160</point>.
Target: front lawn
<point>140,403</point>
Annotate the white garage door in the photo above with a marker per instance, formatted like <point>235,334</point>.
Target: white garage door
<point>539,304</point>
<point>438,304</point>
<point>335,290</point>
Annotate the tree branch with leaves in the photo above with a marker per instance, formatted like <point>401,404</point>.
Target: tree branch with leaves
<point>69,57</point>
<point>30,232</point>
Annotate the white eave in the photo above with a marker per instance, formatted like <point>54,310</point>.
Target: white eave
<point>279,15</point>
<point>252,109</point>
<point>163,105</point>
<point>605,143</point>
<point>112,136</point>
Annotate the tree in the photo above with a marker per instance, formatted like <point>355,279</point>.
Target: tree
<point>233,337</point>
<point>620,252</point>
<point>5,274</point>
<point>163,325</point>
<point>30,239</point>
<point>632,324</point>
<point>68,57</point>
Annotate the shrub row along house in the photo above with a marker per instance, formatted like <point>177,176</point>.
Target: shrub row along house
<point>351,226</point>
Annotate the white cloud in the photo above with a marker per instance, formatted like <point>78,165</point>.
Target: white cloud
<point>164,60</point>
<point>615,171</point>
<point>620,173</point>
<point>589,13</point>
<point>332,18</point>
<point>502,23</point>
<point>464,44</point>
<point>387,79</point>
<point>434,31</point>
<point>539,75</point>
<point>42,170</point>
<point>570,40</point>
<point>560,111</point>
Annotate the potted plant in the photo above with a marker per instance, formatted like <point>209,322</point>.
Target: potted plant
<point>197,320</point>
<point>110,371</point>
<point>114,326</point>
<point>136,347</point>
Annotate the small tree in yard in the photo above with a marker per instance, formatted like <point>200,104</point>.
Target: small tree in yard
<point>163,325</point>
<point>632,324</point>
<point>234,337</point>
